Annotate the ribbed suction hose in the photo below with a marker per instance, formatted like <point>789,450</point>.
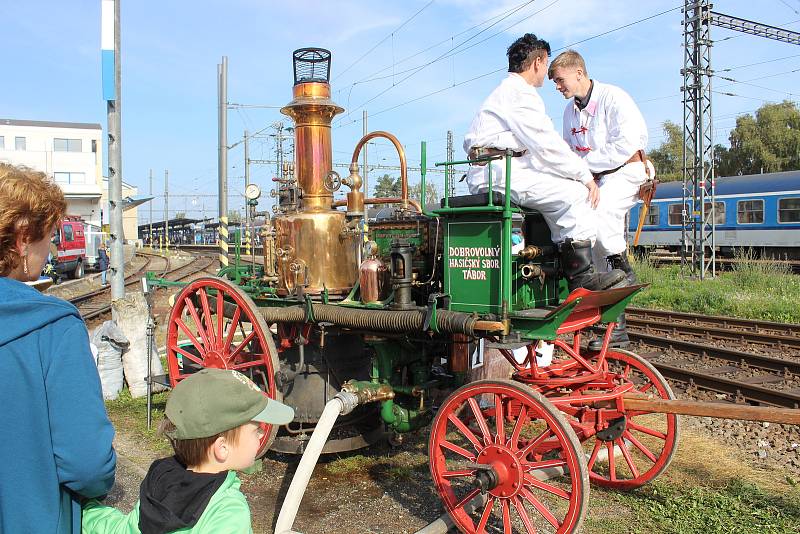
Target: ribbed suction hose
<point>374,320</point>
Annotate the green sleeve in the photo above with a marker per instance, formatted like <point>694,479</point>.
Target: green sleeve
<point>100,519</point>
<point>227,515</point>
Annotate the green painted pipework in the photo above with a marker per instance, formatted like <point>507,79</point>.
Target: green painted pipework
<point>402,419</point>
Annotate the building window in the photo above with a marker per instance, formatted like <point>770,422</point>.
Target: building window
<point>70,177</point>
<point>19,143</point>
<point>651,219</point>
<point>67,145</point>
<point>94,145</point>
<point>2,142</point>
<point>676,212</point>
<point>789,210</point>
<point>719,211</point>
<point>750,212</point>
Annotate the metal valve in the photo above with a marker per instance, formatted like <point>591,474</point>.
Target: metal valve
<point>332,181</point>
<point>530,270</point>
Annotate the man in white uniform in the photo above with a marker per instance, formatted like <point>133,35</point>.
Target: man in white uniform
<point>547,177</point>
<point>603,126</point>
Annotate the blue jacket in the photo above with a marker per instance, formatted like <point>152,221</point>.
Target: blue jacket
<point>57,439</point>
<point>102,259</point>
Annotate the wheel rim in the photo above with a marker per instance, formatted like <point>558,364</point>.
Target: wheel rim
<point>518,443</point>
<point>228,333</point>
<point>647,443</point>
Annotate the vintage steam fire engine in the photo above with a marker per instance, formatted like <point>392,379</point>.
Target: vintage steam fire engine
<point>391,313</point>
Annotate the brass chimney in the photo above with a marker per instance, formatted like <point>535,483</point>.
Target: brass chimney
<point>315,247</point>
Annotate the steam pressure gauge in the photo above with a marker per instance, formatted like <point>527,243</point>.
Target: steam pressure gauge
<point>252,192</point>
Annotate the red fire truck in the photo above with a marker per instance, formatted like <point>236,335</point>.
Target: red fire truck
<point>70,247</point>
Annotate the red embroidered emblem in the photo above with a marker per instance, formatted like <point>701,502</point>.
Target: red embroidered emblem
<point>582,129</point>
<point>582,148</point>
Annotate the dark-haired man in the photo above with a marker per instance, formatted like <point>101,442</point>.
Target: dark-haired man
<point>603,125</point>
<point>547,177</point>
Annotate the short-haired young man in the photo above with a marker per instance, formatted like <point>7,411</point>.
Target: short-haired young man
<point>212,421</point>
<point>547,177</point>
<point>603,126</point>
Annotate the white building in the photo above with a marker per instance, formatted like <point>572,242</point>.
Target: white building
<point>72,154</point>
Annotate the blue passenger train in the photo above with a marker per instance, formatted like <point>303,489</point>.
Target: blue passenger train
<point>758,211</point>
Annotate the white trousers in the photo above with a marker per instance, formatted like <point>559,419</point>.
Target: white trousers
<point>618,194</point>
<point>563,203</point>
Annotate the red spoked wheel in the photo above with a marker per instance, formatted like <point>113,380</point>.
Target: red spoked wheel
<point>637,446</point>
<point>215,324</point>
<point>503,458</point>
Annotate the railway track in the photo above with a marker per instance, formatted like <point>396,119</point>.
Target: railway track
<point>95,303</point>
<point>712,364</point>
<point>726,264</point>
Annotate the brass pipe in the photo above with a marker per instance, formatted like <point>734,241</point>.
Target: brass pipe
<point>391,200</point>
<point>400,152</point>
<point>312,110</point>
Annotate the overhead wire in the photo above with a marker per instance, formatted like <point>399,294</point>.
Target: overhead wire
<point>415,70</point>
<point>790,7</point>
<point>489,73</point>
<point>373,77</point>
<point>368,52</point>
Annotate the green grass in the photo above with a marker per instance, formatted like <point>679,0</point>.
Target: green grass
<point>764,290</point>
<point>737,506</point>
<point>131,414</point>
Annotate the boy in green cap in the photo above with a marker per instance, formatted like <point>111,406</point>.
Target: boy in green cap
<point>212,421</point>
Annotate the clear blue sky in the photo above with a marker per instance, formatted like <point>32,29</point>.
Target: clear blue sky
<point>171,49</point>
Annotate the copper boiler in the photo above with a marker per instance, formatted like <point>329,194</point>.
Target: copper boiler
<point>315,247</point>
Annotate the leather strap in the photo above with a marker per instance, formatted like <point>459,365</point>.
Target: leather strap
<point>638,156</point>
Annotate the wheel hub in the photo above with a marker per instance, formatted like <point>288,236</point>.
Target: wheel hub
<point>615,429</point>
<point>506,468</point>
<point>214,358</point>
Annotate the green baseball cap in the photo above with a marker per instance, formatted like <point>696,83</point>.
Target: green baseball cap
<point>212,401</point>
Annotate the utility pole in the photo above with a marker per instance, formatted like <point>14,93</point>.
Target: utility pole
<point>365,174</point>
<point>222,85</point>
<point>166,208</point>
<point>112,93</point>
<point>151,208</point>
<point>451,156</point>
<point>699,204</point>
<point>279,150</point>
<point>246,174</point>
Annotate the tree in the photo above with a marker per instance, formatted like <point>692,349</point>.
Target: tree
<point>431,197</point>
<point>668,158</point>
<point>386,186</point>
<point>768,142</point>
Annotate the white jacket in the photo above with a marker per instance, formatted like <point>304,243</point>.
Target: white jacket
<point>608,131</point>
<point>513,116</point>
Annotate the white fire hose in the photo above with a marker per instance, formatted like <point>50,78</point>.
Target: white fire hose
<point>341,404</point>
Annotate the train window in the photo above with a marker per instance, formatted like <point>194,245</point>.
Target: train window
<point>68,235</point>
<point>750,212</point>
<point>719,212</point>
<point>676,214</point>
<point>651,219</point>
<point>789,210</point>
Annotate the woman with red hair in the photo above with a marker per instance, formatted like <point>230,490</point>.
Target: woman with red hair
<point>57,439</point>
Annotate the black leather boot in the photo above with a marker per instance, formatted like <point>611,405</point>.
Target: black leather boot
<point>576,264</point>
<point>620,261</point>
<point>619,337</point>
